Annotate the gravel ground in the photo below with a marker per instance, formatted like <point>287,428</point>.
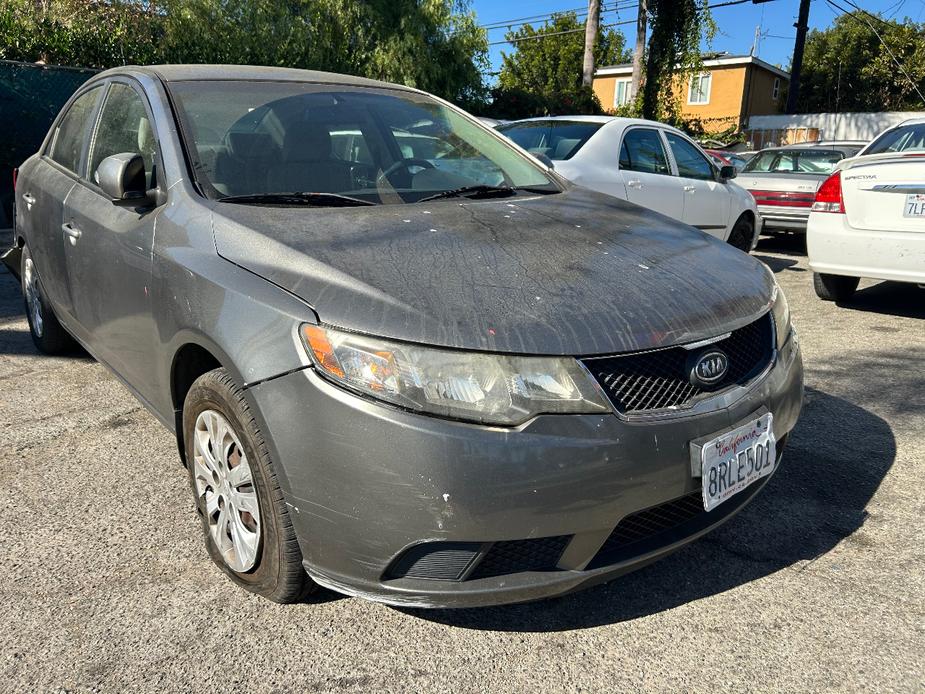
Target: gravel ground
<point>818,585</point>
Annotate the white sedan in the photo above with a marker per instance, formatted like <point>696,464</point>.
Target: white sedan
<point>647,163</point>
<point>868,218</point>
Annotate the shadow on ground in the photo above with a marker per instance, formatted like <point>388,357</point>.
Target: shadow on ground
<point>816,500</point>
<point>890,299</point>
<point>784,243</point>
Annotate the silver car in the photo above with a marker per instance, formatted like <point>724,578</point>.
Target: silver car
<point>784,180</point>
<point>401,358</point>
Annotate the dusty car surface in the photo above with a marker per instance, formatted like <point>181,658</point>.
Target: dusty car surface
<point>401,358</point>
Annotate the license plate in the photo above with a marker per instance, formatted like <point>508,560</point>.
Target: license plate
<point>915,205</point>
<point>734,460</point>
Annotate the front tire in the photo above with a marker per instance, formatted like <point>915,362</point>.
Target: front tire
<point>47,333</point>
<point>741,235</point>
<point>834,287</point>
<point>248,531</point>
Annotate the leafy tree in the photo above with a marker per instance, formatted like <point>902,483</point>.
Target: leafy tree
<point>543,74</point>
<point>434,45</point>
<point>677,27</point>
<point>847,68</point>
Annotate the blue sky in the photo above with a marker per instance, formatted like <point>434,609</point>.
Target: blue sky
<point>736,23</point>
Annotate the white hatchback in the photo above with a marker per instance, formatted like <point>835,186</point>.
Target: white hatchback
<point>868,218</point>
<point>648,163</point>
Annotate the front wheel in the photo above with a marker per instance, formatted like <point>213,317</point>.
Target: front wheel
<point>741,235</point>
<point>834,287</point>
<point>47,333</point>
<point>246,524</point>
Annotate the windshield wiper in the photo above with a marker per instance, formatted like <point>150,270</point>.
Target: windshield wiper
<point>473,193</point>
<point>306,199</point>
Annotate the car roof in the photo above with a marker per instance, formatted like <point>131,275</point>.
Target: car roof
<point>182,73</point>
<point>603,120</point>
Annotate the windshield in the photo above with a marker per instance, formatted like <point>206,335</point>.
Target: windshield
<point>813,161</point>
<point>907,138</point>
<point>381,146</point>
<point>558,140</point>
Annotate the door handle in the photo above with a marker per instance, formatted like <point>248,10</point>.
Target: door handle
<point>635,183</point>
<point>690,189</point>
<point>71,231</point>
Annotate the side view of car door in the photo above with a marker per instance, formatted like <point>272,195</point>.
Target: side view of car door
<point>43,192</point>
<point>646,172</point>
<point>109,256</point>
<point>706,200</point>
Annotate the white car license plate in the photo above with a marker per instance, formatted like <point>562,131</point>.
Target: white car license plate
<point>736,459</point>
<point>915,205</point>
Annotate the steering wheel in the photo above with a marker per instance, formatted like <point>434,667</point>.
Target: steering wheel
<point>406,164</point>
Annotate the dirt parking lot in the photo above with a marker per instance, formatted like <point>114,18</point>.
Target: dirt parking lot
<point>819,584</point>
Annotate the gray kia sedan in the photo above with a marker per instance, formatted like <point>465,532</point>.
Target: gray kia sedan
<point>402,359</point>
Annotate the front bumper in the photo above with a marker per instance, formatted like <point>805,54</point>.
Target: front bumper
<point>364,482</point>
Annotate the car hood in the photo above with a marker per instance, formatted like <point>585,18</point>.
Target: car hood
<point>576,273</point>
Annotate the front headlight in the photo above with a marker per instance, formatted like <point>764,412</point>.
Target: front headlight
<point>780,309</point>
<point>476,386</point>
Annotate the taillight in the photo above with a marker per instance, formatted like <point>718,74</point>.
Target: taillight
<point>829,197</point>
<point>15,175</point>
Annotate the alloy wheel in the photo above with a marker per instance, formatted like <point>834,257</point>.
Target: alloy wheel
<point>225,491</point>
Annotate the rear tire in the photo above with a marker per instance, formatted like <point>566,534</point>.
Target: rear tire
<point>247,528</point>
<point>47,333</point>
<point>742,233</point>
<point>834,287</point>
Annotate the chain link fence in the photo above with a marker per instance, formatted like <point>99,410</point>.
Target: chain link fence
<point>30,97</point>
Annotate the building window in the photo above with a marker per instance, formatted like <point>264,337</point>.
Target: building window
<point>699,92</point>
<point>775,90</point>
<point>621,92</point>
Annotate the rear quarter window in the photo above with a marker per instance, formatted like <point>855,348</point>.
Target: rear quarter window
<point>558,140</point>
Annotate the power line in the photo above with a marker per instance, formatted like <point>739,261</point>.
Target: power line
<point>604,26</point>
<point>558,33</point>
<point>503,24</point>
<point>545,18</point>
<point>879,38</point>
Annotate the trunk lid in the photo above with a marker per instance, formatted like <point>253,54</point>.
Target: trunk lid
<point>878,189</point>
<point>786,190</point>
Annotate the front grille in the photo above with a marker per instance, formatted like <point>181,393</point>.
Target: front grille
<point>541,554</point>
<point>657,380</point>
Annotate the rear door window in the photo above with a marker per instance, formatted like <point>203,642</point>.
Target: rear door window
<point>71,134</point>
<point>642,151</point>
<point>691,163</point>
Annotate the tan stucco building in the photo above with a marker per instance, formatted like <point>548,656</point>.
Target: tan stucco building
<point>724,94</point>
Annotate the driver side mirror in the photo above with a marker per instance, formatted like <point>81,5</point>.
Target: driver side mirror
<point>727,172</point>
<point>122,178</point>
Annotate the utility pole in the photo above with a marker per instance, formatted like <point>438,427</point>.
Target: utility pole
<point>592,24</point>
<point>802,26</point>
<point>641,19</point>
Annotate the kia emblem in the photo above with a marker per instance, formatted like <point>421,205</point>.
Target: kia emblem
<point>709,368</point>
